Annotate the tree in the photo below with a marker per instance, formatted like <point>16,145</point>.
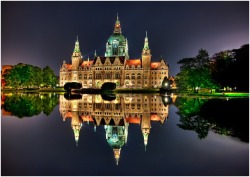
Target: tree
<point>195,114</point>
<point>241,69</point>
<point>13,78</point>
<point>195,73</point>
<point>230,68</point>
<point>222,66</point>
<point>49,77</point>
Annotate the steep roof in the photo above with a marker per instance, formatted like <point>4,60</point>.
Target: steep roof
<point>112,59</point>
<point>154,65</point>
<point>134,62</point>
<point>87,63</point>
<point>68,66</point>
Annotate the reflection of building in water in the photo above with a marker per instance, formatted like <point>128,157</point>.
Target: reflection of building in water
<point>115,115</point>
<point>116,137</point>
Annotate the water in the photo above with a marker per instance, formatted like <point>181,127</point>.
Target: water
<point>123,135</point>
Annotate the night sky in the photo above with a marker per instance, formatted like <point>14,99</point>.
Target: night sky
<point>44,33</point>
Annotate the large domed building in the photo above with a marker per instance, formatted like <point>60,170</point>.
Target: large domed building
<point>115,66</point>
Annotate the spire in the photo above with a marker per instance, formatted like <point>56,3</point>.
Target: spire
<point>76,130</point>
<point>77,46</point>
<point>95,55</point>
<point>117,26</point>
<point>117,155</point>
<point>88,60</point>
<point>145,137</point>
<point>146,46</point>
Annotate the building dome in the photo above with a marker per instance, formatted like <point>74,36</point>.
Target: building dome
<point>117,44</point>
<point>117,38</point>
<point>115,136</point>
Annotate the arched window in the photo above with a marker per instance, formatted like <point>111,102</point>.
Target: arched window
<point>80,76</point>
<point>90,76</point>
<point>85,76</point>
<point>98,76</point>
<point>115,47</point>
<point>133,76</point>
<point>127,76</point>
<point>117,76</point>
<point>108,75</point>
<point>139,76</point>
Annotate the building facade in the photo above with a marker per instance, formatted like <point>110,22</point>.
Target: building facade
<point>115,66</point>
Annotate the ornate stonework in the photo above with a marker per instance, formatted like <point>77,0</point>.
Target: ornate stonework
<point>115,66</point>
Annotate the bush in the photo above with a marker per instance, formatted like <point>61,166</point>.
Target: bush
<point>72,85</point>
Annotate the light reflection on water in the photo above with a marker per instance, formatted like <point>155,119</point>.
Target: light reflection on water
<point>87,135</point>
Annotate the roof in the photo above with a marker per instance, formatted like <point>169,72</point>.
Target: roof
<point>87,63</point>
<point>154,65</point>
<point>133,120</point>
<point>68,66</point>
<point>112,59</point>
<point>155,117</point>
<point>134,62</point>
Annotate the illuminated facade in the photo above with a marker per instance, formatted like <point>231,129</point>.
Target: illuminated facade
<point>115,66</point>
<point>115,115</point>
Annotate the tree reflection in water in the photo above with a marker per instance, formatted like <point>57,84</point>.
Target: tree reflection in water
<point>222,116</point>
<point>29,104</point>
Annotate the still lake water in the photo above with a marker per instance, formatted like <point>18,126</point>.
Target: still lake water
<point>129,134</point>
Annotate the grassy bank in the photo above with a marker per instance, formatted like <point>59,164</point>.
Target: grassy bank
<point>225,94</point>
<point>146,90</point>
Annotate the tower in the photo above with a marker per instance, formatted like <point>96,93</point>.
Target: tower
<point>76,56</point>
<point>145,121</point>
<point>146,61</point>
<point>76,124</point>
<point>145,128</point>
<point>146,54</point>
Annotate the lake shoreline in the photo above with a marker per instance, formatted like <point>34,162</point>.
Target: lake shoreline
<point>120,91</point>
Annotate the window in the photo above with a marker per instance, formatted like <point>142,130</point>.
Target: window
<point>133,76</point>
<point>80,76</point>
<point>98,76</point>
<point>117,106</point>
<point>108,75</point>
<point>90,76</point>
<point>85,76</point>
<point>117,76</point>
<point>139,76</point>
<point>127,76</point>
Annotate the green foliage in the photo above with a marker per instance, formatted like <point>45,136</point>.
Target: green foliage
<point>72,85</point>
<point>26,76</point>
<point>49,78</point>
<point>195,73</point>
<point>230,68</point>
<point>192,117</point>
<point>28,105</point>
